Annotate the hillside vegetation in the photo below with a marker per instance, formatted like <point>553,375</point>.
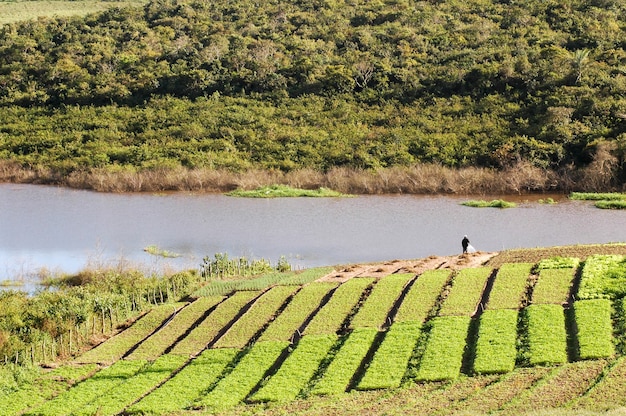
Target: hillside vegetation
<point>505,337</point>
<point>317,85</point>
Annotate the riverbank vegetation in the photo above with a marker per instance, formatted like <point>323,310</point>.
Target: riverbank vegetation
<point>517,334</point>
<point>495,203</point>
<point>173,94</point>
<point>284,191</point>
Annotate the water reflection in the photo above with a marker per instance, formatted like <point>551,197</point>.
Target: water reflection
<point>65,230</point>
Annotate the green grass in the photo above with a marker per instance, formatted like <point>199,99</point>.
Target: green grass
<point>343,367</point>
<point>610,204</point>
<point>466,291</point>
<point>284,191</point>
<point>387,368</point>
<point>259,314</point>
<point>509,286</point>
<point>496,348</point>
<point>297,370</point>
<point>443,356</point>
<point>114,348</point>
<point>373,313</point>
<point>496,203</point>
<point>594,329</point>
<point>598,196</point>
<point>186,386</point>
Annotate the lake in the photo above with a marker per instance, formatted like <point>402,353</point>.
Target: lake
<point>65,230</point>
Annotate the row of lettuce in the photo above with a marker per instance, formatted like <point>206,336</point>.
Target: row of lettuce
<point>292,341</point>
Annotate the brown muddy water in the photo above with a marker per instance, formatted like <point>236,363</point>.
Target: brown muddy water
<point>64,230</point>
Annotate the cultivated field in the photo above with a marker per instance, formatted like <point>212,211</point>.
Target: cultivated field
<point>15,11</point>
<point>525,332</point>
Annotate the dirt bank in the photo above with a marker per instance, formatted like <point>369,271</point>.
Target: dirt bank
<point>417,266</point>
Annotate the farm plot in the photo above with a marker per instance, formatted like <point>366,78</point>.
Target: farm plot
<point>608,393</point>
<point>186,386</point>
<point>297,370</point>
<point>509,286</point>
<point>561,385</point>
<point>115,400</point>
<point>247,373</point>
<point>466,291</point>
<point>85,392</point>
<point>553,286</point>
<point>331,316</point>
<point>594,328</point>
<point>252,322</point>
<point>295,315</point>
<point>496,346</point>
<point>546,335</point>
<point>603,276</point>
<point>422,296</point>
<point>374,312</point>
<point>44,388</point>
<point>345,364</point>
<point>158,343</point>
<point>387,368</point>
<point>203,334</point>
<point>114,348</point>
<point>443,356</point>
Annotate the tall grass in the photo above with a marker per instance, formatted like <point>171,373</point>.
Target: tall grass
<point>415,179</point>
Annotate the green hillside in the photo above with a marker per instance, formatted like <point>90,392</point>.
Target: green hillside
<point>317,85</point>
<point>508,338</point>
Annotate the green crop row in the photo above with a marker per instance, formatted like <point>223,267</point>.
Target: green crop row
<point>608,393</point>
<point>85,392</point>
<point>496,346</point>
<point>297,370</point>
<point>546,334</point>
<point>509,286</point>
<point>553,286</point>
<point>158,343</point>
<point>373,313</point>
<point>345,364</point>
<point>115,348</point>
<point>115,400</point>
<point>303,304</point>
<point>249,371</point>
<point>330,317</point>
<point>186,386</point>
<point>291,278</point>
<point>263,309</point>
<point>422,296</point>
<point>209,328</point>
<point>443,356</point>
<point>387,368</point>
<point>603,276</point>
<point>43,388</point>
<point>467,288</point>
<point>594,328</point>
<point>558,262</point>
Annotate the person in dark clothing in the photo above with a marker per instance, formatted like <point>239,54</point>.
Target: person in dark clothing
<point>465,243</point>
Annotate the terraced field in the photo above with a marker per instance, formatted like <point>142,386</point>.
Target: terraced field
<point>541,333</point>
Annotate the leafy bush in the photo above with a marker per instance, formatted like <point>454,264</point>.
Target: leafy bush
<point>391,359</point>
<point>594,329</point>
<point>603,276</point>
<point>496,346</point>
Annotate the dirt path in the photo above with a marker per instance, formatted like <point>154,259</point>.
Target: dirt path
<point>408,266</point>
